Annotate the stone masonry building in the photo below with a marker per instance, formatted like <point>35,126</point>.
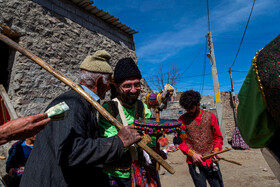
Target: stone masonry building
<point>62,33</point>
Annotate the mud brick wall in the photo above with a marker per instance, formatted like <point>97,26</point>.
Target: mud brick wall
<point>62,35</point>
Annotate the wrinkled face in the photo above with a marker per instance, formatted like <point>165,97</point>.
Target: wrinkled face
<point>194,110</point>
<point>130,90</point>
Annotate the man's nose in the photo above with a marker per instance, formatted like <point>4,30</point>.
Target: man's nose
<point>133,89</point>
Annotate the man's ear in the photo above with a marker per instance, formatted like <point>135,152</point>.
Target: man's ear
<point>99,81</point>
<point>198,104</point>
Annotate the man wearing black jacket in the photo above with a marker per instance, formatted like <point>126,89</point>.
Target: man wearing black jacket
<point>70,152</point>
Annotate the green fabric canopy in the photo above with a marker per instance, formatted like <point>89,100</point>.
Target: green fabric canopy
<point>255,123</point>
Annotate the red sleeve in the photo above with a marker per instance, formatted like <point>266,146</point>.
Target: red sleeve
<point>183,146</point>
<point>218,137</point>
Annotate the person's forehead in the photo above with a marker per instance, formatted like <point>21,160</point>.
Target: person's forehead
<point>131,81</point>
<point>191,108</point>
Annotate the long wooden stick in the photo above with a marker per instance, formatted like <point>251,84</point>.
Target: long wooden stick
<point>216,153</point>
<point>12,113</point>
<point>3,110</point>
<point>78,89</point>
<point>231,161</point>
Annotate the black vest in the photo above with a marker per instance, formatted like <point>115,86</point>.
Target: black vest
<point>125,162</point>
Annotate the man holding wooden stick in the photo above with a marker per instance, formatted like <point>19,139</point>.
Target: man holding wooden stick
<point>70,152</point>
<point>201,137</point>
<point>130,170</point>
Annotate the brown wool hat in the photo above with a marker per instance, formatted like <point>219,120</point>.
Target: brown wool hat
<point>98,62</point>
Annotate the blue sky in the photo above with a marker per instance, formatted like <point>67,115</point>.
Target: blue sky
<point>174,32</point>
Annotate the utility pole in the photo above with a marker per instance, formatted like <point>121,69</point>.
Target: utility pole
<point>232,90</point>
<point>233,97</point>
<point>219,106</point>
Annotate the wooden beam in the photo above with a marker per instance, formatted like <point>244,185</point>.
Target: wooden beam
<point>8,103</point>
<point>9,32</point>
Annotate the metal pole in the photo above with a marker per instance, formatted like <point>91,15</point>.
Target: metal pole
<point>232,89</point>
<point>233,96</point>
<point>219,106</point>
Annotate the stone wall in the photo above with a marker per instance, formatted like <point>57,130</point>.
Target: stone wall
<point>229,113</point>
<point>78,15</point>
<point>59,41</point>
<point>174,110</point>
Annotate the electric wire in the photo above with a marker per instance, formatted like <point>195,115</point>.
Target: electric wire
<point>243,34</point>
<point>238,71</point>
<point>192,62</point>
<point>191,76</point>
<point>204,68</point>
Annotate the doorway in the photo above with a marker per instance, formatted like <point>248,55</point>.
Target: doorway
<point>7,56</point>
<point>4,64</point>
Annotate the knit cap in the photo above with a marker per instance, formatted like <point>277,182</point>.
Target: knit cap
<point>98,62</point>
<point>126,68</point>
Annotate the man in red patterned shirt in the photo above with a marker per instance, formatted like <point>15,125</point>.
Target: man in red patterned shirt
<point>201,136</point>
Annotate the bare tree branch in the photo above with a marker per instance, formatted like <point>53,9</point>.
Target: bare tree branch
<point>171,77</point>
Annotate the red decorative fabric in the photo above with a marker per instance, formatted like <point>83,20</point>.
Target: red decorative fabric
<point>144,176</point>
<point>151,127</point>
<point>2,113</point>
<point>163,141</point>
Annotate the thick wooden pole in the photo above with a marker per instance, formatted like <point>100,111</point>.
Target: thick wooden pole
<point>3,110</point>
<point>78,89</point>
<point>219,105</point>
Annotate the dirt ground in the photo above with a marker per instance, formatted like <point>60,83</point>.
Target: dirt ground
<point>254,170</point>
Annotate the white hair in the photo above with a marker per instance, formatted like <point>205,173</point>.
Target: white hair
<point>90,77</point>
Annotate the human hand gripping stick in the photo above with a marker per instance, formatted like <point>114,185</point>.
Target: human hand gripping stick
<point>129,135</point>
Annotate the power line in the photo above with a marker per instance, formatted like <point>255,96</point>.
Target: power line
<point>191,63</point>
<point>204,68</point>
<point>244,33</point>
<point>254,33</point>
<point>191,76</point>
<point>239,71</point>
